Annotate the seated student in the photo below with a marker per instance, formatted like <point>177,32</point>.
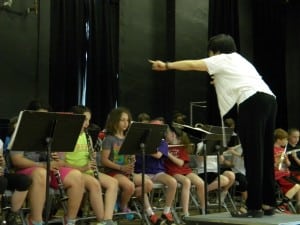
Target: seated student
<point>177,165</point>
<point>34,164</point>
<point>293,152</point>
<point>143,118</point>
<point>121,167</point>
<point>155,169</point>
<point>227,177</point>
<point>17,183</point>
<point>82,158</point>
<point>289,188</point>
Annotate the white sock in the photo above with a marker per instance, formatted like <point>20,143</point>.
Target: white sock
<point>167,209</point>
<point>149,211</point>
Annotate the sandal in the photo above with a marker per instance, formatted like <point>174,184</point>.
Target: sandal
<point>248,214</point>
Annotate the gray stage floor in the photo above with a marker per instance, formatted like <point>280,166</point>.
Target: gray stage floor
<point>225,218</point>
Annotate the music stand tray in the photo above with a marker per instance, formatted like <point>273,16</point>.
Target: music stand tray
<point>46,132</point>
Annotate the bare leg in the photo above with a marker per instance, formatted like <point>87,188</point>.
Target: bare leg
<point>185,192</point>
<point>73,182</point>
<point>127,190</point>
<point>17,200</point>
<point>171,183</point>
<point>199,183</point>
<point>37,194</point>
<point>224,182</point>
<point>148,185</point>
<point>111,193</point>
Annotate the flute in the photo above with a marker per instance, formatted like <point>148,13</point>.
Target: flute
<point>292,151</point>
<point>91,154</point>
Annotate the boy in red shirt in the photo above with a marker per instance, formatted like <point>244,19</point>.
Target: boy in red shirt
<point>282,172</point>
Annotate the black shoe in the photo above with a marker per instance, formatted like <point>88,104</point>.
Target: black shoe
<point>11,218</point>
<point>248,214</point>
<point>269,212</point>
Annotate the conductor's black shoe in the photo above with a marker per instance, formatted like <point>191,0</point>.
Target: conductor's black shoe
<point>248,214</point>
<point>269,212</point>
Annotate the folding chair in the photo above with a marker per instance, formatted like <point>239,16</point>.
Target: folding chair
<point>156,199</point>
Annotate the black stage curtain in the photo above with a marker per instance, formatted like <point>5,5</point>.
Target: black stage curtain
<point>223,18</point>
<point>269,40</point>
<point>84,47</point>
<point>102,68</point>
<point>67,53</point>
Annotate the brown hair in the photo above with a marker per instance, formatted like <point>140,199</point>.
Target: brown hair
<point>280,134</point>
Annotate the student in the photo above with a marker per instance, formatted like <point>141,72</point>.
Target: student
<point>82,159</point>
<point>227,177</point>
<point>143,118</point>
<point>155,169</point>
<point>177,165</point>
<point>34,165</point>
<point>121,167</point>
<point>17,183</point>
<point>293,151</point>
<point>282,174</point>
<point>237,82</point>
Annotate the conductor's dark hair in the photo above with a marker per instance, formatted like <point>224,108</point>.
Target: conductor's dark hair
<point>222,43</point>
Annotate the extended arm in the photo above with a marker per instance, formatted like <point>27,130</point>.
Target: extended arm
<point>185,65</point>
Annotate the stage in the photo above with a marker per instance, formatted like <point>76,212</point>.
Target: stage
<point>225,218</point>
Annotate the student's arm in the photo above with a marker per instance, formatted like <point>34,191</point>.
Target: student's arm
<point>185,65</point>
<point>21,162</point>
<point>175,160</point>
<point>157,155</point>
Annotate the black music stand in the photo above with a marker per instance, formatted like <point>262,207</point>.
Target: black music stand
<point>143,138</point>
<point>214,144</point>
<point>46,132</point>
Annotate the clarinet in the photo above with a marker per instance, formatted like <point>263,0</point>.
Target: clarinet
<point>63,195</point>
<point>61,188</point>
<point>91,154</point>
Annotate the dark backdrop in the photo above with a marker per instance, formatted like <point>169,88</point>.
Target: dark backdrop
<point>268,34</point>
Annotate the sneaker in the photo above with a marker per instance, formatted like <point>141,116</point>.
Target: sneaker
<point>284,208</point>
<point>168,217</point>
<point>108,222</point>
<point>129,216</point>
<point>70,221</point>
<point>155,220</point>
<point>29,222</point>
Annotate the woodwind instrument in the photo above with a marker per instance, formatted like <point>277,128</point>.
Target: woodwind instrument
<point>62,193</point>
<point>282,157</point>
<point>292,151</point>
<point>130,160</point>
<point>91,154</point>
<point>61,188</point>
